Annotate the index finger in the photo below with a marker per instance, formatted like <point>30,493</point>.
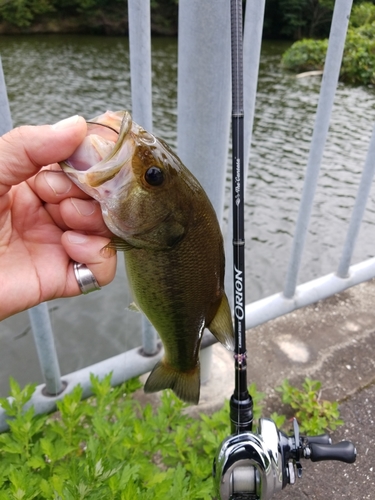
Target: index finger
<point>52,185</point>
<point>24,150</point>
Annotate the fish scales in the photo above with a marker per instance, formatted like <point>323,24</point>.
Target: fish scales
<point>163,220</point>
<point>189,299</point>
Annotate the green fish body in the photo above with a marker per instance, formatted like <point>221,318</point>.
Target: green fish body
<point>163,220</point>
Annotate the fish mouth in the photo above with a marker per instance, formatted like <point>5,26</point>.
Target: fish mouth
<point>102,165</point>
<point>106,151</point>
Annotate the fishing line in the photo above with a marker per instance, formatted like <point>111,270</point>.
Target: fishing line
<point>241,404</point>
<point>102,125</point>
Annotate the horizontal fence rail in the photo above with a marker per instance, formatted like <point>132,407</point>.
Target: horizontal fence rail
<point>277,305</point>
<point>203,128</point>
<point>125,366</point>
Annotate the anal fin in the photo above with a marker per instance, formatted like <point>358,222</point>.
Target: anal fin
<point>186,385</point>
<point>222,326</point>
<point>133,307</point>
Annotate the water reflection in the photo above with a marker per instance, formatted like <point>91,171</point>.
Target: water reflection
<point>51,77</point>
<point>164,95</point>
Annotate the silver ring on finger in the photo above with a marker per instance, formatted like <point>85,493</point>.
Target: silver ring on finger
<point>86,280</point>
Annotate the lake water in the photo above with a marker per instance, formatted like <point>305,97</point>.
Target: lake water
<point>52,77</point>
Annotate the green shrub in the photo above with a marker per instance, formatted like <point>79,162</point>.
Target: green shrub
<point>305,55</point>
<point>314,414</point>
<point>358,65</point>
<point>362,13</point>
<point>112,447</point>
<point>109,446</point>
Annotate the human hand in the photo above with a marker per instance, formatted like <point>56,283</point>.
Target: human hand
<point>46,222</point>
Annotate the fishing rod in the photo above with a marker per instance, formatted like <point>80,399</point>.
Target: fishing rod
<point>241,404</point>
<point>255,466</point>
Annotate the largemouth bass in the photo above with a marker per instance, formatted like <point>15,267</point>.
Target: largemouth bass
<point>164,222</point>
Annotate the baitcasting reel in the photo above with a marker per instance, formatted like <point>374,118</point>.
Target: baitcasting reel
<point>252,466</point>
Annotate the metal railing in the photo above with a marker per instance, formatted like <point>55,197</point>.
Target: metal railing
<point>203,127</point>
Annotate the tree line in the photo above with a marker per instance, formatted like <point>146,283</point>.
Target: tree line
<point>84,16</point>
<point>291,19</point>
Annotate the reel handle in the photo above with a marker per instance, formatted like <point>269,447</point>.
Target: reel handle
<point>343,452</point>
<point>321,439</point>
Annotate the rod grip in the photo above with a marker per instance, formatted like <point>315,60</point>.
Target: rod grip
<point>237,57</point>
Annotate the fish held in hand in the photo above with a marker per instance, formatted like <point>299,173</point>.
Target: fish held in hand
<point>164,222</point>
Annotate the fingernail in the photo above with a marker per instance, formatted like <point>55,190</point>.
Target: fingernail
<point>107,252</point>
<point>58,182</point>
<point>77,238</point>
<point>66,123</point>
<point>83,207</point>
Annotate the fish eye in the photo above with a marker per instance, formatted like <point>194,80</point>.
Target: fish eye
<point>154,176</point>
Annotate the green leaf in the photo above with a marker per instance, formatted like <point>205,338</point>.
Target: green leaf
<point>9,444</point>
<point>278,419</point>
<point>180,481</point>
<point>46,488</point>
<point>36,462</point>
<point>130,474</point>
<point>55,450</point>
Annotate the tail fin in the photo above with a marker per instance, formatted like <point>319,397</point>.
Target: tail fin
<point>186,385</point>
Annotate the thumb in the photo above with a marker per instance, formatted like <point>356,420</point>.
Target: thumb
<point>24,150</point>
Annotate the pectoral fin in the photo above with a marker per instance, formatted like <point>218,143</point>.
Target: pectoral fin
<point>186,385</point>
<point>222,326</point>
<point>119,244</point>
